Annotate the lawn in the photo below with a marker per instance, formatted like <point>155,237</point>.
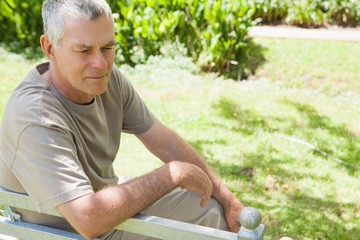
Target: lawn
<point>286,141</point>
<point>329,66</point>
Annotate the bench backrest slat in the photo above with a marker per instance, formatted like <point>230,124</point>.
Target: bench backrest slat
<point>24,230</point>
<point>170,229</point>
<point>21,201</point>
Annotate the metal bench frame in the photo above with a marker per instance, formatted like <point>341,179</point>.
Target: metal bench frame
<point>157,227</point>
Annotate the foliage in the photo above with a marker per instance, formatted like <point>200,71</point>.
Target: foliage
<point>307,13</point>
<point>213,31</point>
<point>269,11</point>
<point>345,12</point>
<point>21,26</point>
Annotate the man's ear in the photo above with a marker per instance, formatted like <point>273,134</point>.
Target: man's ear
<point>47,47</point>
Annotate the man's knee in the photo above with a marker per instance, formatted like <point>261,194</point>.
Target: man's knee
<point>184,206</point>
<point>214,216</point>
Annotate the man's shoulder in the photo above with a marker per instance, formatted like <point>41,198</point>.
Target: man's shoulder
<point>32,92</point>
<point>33,101</point>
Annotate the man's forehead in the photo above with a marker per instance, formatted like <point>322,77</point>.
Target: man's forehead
<point>88,43</point>
<point>90,32</point>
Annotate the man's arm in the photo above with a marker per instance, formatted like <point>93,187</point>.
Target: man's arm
<point>96,213</point>
<point>169,146</point>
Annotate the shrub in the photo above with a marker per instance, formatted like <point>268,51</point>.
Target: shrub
<point>21,26</point>
<point>345,12</point>
<point>269,11</point>
<point>307,13</point>
<point>214,31</point>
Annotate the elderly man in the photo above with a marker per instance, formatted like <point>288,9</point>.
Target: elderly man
<point>61,131</point>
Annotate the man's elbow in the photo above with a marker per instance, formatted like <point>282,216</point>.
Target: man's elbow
<point>89,227</point>
<point>85,217</point>
<point>89,234</point>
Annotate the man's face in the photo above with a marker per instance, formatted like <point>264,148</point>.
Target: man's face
<point>82,65</point>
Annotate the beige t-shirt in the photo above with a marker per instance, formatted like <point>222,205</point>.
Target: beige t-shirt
<point>56,150</point>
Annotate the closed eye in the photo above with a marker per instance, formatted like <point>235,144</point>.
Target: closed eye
<point>108,48</point>
<point>83,51</point>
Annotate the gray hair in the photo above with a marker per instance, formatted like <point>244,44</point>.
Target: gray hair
<point>54,13</point>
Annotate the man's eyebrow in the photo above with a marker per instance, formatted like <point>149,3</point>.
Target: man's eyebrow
<point>81,45</point>
<point>86,46</point>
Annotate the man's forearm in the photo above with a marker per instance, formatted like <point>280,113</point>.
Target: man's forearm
<point>175,148</point>
<point>97,213</point>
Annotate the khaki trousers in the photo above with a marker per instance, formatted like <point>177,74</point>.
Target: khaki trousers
<point>179,205</point>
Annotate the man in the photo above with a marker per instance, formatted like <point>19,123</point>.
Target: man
<point>61,129</point>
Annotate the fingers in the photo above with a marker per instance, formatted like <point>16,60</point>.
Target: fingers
<point>200,184</point>
<point>232,215</point>
<point>208,189</point>
<point>193,179</point>
<point>234,226</point>
<point>204,201</point>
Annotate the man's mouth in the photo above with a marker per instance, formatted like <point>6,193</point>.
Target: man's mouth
<point>98,77</point>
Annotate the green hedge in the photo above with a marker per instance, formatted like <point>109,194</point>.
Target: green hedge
<point>213,32</point>
<point>21,26</point>
<point>307,13</point>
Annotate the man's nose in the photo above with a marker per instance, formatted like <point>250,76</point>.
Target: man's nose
<point>98,60</point>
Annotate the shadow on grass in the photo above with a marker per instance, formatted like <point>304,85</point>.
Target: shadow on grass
<point>300,215</point>
<point>252,57</point>
<point>199,145</point>
<point>250,122</point>
<point>263,177</point>
<point>312,217</point>
<point>350,152</point>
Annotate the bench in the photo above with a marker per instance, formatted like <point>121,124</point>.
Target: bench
<point>157,227</point>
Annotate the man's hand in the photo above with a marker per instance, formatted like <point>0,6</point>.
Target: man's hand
<point>232,215</point>
<point>192,178</point>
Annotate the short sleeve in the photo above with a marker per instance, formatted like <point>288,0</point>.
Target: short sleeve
<point>137,118</point>
<point>47,166</point>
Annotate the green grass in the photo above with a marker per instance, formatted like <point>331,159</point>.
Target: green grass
<point>13,69</point>
<point>256,134</point>
<point>329,66</point>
